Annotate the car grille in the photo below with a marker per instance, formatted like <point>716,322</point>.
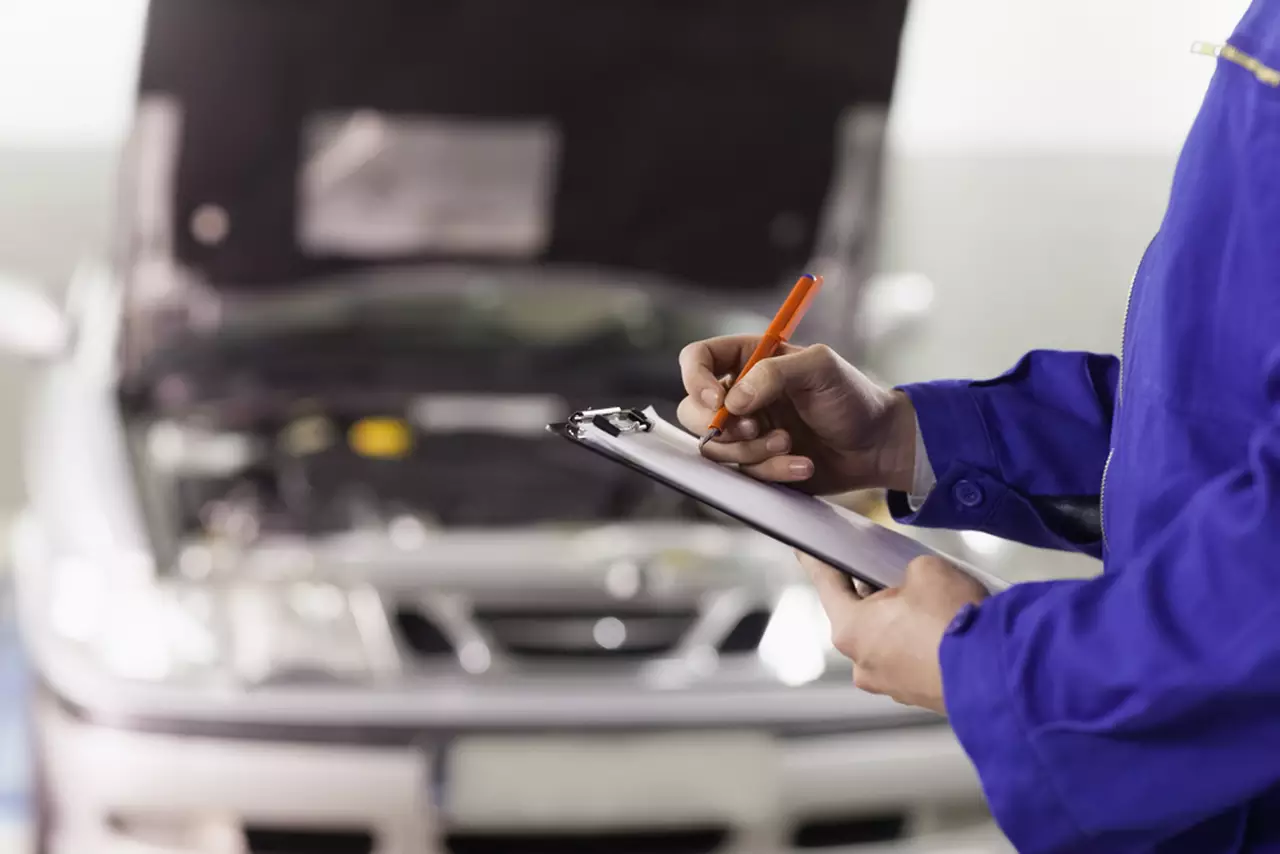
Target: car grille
<point>598,632</point>
<point>420,634</point>
<point>262,839</point>
<point>842,832</point>
<point>698,841</point>
<point>612,633</point>
<point>747,634</point>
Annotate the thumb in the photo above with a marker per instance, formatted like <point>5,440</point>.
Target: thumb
<point>771,378</point>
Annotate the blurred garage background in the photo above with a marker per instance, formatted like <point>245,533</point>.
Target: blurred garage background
<point>1029,151</point>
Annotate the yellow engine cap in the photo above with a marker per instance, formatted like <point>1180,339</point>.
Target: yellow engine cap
<point>381,438</point>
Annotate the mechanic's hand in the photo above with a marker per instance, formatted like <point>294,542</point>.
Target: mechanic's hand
<point>893,636</point>
<point>806,416</point>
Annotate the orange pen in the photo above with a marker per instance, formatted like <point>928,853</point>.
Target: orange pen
<point>784,323</point>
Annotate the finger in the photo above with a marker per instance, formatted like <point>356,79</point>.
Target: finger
<point>704,363</point>
<point>834,591</point>
<point>927,569</point>
<point>936,577</point>
<point>784,468</point>
<point>773,377</point>
<point>749,453</point>
<point>695,418</point>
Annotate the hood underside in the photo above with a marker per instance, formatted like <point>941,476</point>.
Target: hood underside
<point>697,140</point>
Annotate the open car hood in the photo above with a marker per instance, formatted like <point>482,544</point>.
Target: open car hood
<point>699,141</point>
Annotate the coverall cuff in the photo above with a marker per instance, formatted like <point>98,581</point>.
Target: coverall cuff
<point>1023,799</point>
<point>951,423</point>
<point>955,439</point>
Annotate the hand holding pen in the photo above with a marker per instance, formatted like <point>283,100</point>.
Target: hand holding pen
<point>800,415</point>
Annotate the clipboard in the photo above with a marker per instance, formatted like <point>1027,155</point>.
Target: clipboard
<point>853,544</point>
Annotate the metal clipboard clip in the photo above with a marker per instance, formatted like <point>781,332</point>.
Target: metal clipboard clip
<point>615,421</point>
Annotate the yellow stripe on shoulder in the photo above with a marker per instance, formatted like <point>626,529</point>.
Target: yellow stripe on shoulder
<point>1265,73</point>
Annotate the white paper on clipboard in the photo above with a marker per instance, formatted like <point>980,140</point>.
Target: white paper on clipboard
<point>847,541</point>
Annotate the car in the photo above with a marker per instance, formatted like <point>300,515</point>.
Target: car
<point>301,570</point>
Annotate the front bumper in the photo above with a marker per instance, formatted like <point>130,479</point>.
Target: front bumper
<point>114,790</point>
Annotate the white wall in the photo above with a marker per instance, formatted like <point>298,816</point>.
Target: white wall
<point>67,69</point>
<point>1110,76</point>
<point>1032,145</point>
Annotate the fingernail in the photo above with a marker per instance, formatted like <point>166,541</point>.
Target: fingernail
<point>711,398</point>
<point>777,443</point>
<point>800,468</point>
<point>748,428</point>
<point>740,396</point>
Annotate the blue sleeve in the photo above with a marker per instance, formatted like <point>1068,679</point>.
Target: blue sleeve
<point>1169,664</point>
<point>1020,456</point>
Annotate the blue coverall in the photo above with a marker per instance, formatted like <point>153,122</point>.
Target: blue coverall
<point>1139,711</point>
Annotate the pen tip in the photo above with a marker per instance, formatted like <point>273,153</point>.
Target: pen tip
<point>707,437</point>
<point>810,276</point>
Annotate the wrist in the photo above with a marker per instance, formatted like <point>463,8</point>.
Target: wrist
<point>898,460</point>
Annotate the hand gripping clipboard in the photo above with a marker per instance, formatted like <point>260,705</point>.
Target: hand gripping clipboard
<point>851,543</point>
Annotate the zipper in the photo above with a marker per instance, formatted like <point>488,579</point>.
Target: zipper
<point>1265,73</point>
<point>1106,467</point>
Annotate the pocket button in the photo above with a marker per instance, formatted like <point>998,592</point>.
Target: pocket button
<point>968,493</point>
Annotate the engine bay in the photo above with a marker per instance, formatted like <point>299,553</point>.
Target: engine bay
<point>392,400</point>
<point>431,467</point>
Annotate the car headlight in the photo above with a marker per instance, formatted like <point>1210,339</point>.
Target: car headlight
<point>303,631</point>
<point>153,633</point>
<point>206,633</point>
<point>135,628</point>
